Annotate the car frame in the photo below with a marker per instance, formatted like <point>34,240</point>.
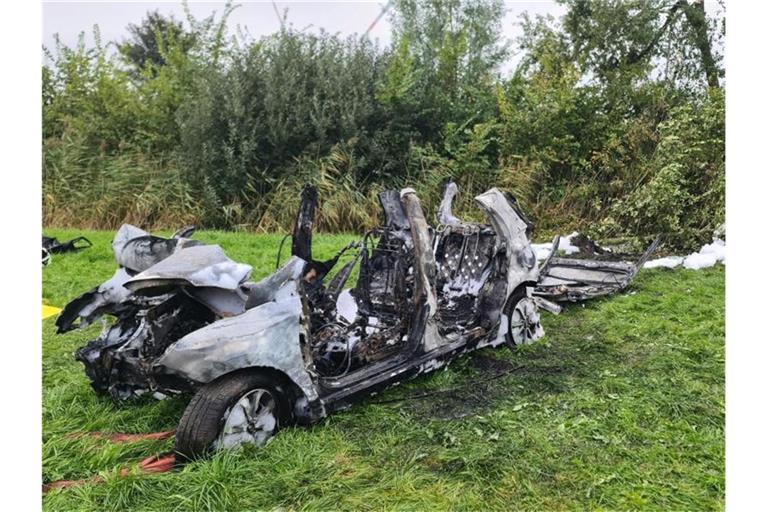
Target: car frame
<point>424,297</point>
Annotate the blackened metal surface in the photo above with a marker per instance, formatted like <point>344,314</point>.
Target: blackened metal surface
<point>264,336</point>
<point>272,287</point>
<point>185,232</point>
<point>424,295</point>
<point>445,216</point>
<point>464,264</point>
<point>302,230</point>
<point>107,298</point>
<point>137,250</point>
<point>53,246</point>
<point>394,215</point>
<point>119,361</point>
<point>134,250</point>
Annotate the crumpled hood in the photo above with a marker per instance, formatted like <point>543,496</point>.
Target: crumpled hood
<point>199,266</point>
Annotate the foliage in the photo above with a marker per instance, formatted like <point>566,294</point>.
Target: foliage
<point>634,40</point>
<point>149,42</point>
<point>106,190</point>
<point>289,95</point>
<point>685,195</point>
<point>581,129</point>
<point>620,407</point>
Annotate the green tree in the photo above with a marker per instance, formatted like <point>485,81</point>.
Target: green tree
<point>645,38</point>
<point>612,116</point>
<point>147,47</point>
<point>456,46</point>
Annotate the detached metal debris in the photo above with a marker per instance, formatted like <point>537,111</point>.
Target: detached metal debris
<point>574,279</point>
<point>299,344</point>
<point>52,245</point>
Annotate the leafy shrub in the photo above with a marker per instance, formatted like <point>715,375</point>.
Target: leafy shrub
<point>684,193</point>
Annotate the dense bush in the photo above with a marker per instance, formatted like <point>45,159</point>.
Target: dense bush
<point>612,120</point>
<point>683,194</point>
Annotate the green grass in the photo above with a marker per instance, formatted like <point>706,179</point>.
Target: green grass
<point>619,407</point>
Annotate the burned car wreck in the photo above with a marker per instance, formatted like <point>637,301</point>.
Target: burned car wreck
<point>301,344</point>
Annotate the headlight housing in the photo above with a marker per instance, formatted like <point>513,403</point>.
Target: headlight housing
<point>527,258</point>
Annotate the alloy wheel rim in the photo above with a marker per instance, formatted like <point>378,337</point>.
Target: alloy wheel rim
<point>251,420</point>
<point>524,322</point>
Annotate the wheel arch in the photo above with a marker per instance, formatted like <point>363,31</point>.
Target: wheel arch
<point>522,286</point>
<point>302,408</point>
<point>270,371</point>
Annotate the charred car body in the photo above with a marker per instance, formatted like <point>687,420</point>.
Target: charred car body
<point>298,345</point>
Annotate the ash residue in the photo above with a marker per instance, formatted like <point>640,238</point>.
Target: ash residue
<point>476,393</point>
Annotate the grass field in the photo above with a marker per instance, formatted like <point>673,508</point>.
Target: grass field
<point>620,407</point>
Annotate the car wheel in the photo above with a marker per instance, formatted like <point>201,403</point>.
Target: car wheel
<point>523,320</point>
<point>243,408</point>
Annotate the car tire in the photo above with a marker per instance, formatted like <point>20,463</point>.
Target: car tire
<point>517,296</point>
<point>201,428</point>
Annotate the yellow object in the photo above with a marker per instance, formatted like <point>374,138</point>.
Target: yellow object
<point>50,311</point>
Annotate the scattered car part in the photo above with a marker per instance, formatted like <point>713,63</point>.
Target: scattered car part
<point>49,311</point>
<point>53,246</point>
<point>574,280</point>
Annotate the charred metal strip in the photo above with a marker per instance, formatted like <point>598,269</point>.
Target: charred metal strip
<point>461,257</point>
<point>444,213</point>
<point>512,237</point>
<point>280,251</point>
<point>185,232</point>
<point>616,266</point>
<point>424,259</point>
<point>529,225</point>
<point>424,268</point>
<point>596,276</point>
<point>547,305</point>
<point>107,298</point>
<point>52,245</point>
<point>302,230</point>
<point>394,215</point>
<point>329,264</point>
<point>647,254</point>
<point>545,267</point>
<point>338,281</point>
